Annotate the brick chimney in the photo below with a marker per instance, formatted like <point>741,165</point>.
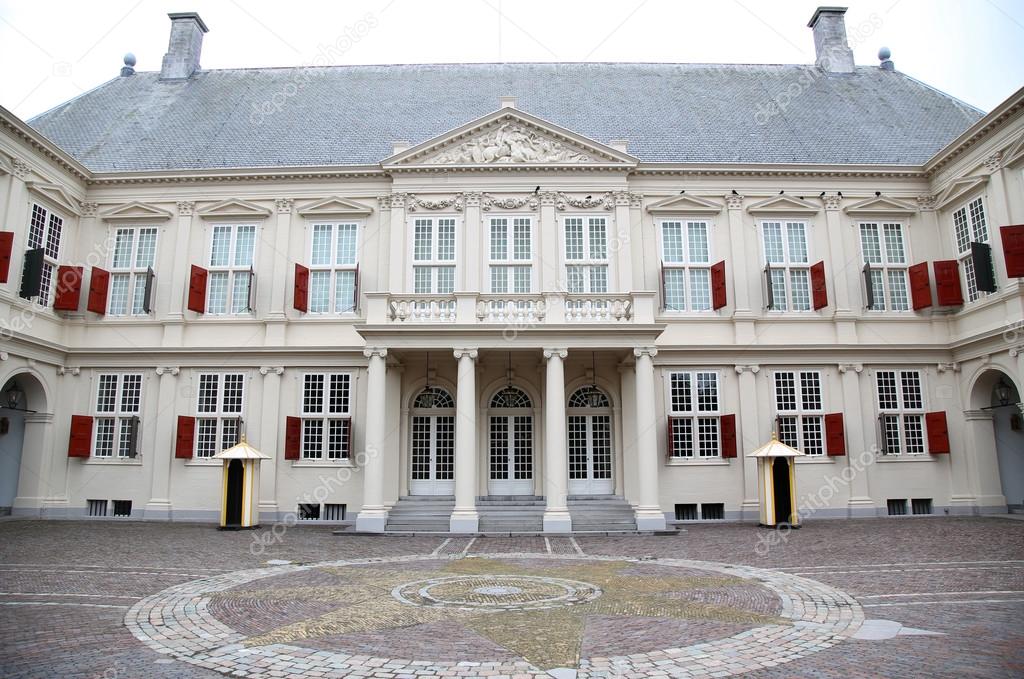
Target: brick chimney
<point>832,53</point>
<point>182,58</point>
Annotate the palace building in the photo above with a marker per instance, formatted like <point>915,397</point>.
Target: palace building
<point>512,297</point>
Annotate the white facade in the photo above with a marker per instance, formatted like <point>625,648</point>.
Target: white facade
<point>568,265</point>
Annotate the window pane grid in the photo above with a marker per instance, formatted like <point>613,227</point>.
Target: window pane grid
<point>797,426</point>
<point>694,403</point>
<point>901,404</point>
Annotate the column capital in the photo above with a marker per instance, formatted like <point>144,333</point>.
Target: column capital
<point>284,205</point>
<point>472,198</point>
<point>734,201</point>
<point>398,199</point>
<point>847,367</point>
<point>89,208</point>
<point>548,198</point>
<point>556,351</point>
<point>467,352</point>
<point>64,370</point>
<point>952,367</point>
<point>832,201</point>
<point>994,162</point>
<point>1017,351</point>
<point>753,369</point>
<point>21,168</point>
<point>925,202</point>
<point>650,352</point>
<point>167,370</point>
<point>379,352</point>
<point>275,369</point>
<point>185,207</point>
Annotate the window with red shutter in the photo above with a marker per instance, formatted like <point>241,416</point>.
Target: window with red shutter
<point>355,290</point>
<point>80,443</point>
<point>664,300</point>
<point>197,289</point>
<point>69,288</point>
<point>920,286</point>
<point>670,439</point>
<point>348,439</point>
<point>6,248</point>
<point>1013,250</point>
<point>300,299</point>
<point>728,436</point>
<point>947,282</point>
<point>718,296</point>
<point>835,435</point>
<point>99,283</point>
<point>185,439</point>
<point>292,438</point>
<point>938,433</point>
<point>819,289</point>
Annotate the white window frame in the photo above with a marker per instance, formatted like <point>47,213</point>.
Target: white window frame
<point>334,269</point>
<point>905,418</point>
<point>791,270</point>
<point>232,270</point>
<point>888,268</point>
<point>972,229</point>
<point>220,414</point>
<point>119,417</point>
<point>806,419</point>
<point>42,238</point>
<point>324,417</point>
<point>510,262</point>
<point>134,274</point>
<point>434,263</point>
<point>695,414</point>
<point>691,270</point>
<point>588,262</point>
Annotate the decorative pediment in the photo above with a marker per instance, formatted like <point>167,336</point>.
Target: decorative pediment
<point>958,189</point>
<point>783,204</point>
<point>135,212</point>
<point>335,207</point>
<point>509,137</point>
<point>234,209</point>
<point>684,204</point>
<point>56,195</point>
<point>880,205</point>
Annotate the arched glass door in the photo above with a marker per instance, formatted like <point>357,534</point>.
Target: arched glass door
<point>590,443</point>
<point>432,437</point>
<point>510,438</point>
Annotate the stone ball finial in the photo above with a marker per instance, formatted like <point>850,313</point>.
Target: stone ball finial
<point>129,60</point>
<point>884,54</point>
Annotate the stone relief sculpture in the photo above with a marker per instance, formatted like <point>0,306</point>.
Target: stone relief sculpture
<point>510,143</point>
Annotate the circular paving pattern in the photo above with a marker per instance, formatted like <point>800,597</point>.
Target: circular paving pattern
<point>517,615</point>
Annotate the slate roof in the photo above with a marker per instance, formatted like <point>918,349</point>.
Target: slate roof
<point>349,115</point>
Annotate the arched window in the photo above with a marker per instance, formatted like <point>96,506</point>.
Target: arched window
<point>510,443</point>
<point>589,397</point>
<point>433,397</point>
<point>590,442</point>
<point>511,397</point>
<point>432,442</point>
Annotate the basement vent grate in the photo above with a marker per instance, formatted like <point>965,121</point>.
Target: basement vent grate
<point>897,507</point>
<point>686,512</point>
<point>712,510</point>
<point>97,507</point>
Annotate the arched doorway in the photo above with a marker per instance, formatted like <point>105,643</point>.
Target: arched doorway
<point>510,443</point>
<point>235,494</point>
<point>590,442</point>
<point>22,414</point>
<point>782,492</point>
<point>996,394</point>
<point>432,443</point>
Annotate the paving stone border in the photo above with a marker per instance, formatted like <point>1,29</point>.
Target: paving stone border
<point>177,622</point>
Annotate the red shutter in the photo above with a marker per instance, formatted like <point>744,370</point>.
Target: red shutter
<point>835,435</point>
<point>664,301</point>
<point>818,287</point>
<point>348,446</point>
<point>355,290</point>
<point>947,282</point>
<point>301,295</point>
<point>197,289</point>
<point>938,433</point>
<point>718,285</point>
<point>99,283</point>
<point>292,437</point>
<point>6,248</point>
<point>1013,250</point>
<point>920,286</point>
<point>670,449</point>
<point>80,443</point>
<point>186,437</point>
<point>69,288</point>
<point>728,436</point>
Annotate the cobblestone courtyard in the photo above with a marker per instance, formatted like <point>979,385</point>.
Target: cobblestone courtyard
<point>935,597</point>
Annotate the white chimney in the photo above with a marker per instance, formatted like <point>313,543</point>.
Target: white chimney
<point>506,102</point>
<point>832,53</point>
<point>182,58</point>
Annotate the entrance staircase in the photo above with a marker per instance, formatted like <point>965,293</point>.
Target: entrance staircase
<point>511,513</point>
<point>601,513</point>
<point>421,514</point>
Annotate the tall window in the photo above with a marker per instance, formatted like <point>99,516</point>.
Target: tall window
<point>788,268</point>
<point>219,421</point>
<point>231,273</point>
<point>901,411</point>
<point>326,416</point>
<point>333,268</point>
<point>886,258</point>
<point>131,270</point>
<point>686,266</point>
<point>970,226</point>
<point>118,403</point>
<point>798,408</point>
<point>694,414</point>
<point>44,231</point>
<point>511,255</point>
<point>433,255</point>
<point>586,254</point>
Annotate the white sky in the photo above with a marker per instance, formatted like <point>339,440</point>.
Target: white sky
<point>53,50</point>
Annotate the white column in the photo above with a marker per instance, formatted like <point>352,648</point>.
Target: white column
<point>464,518</point>
<point>16,217</point>
<point>396,256</point>
<point>750,437</point>
<point>174,324</point>
<point>855,425</point>
<point>623,239</point>
<point>159,505</point>
<point>469,275</point>
<point>648,511</point>
<point>982,456</point>
<point>556,459</point>
<point>374,516</point>
<point>269,440</point>
<point>547,235</point>
<point>844,270</point>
